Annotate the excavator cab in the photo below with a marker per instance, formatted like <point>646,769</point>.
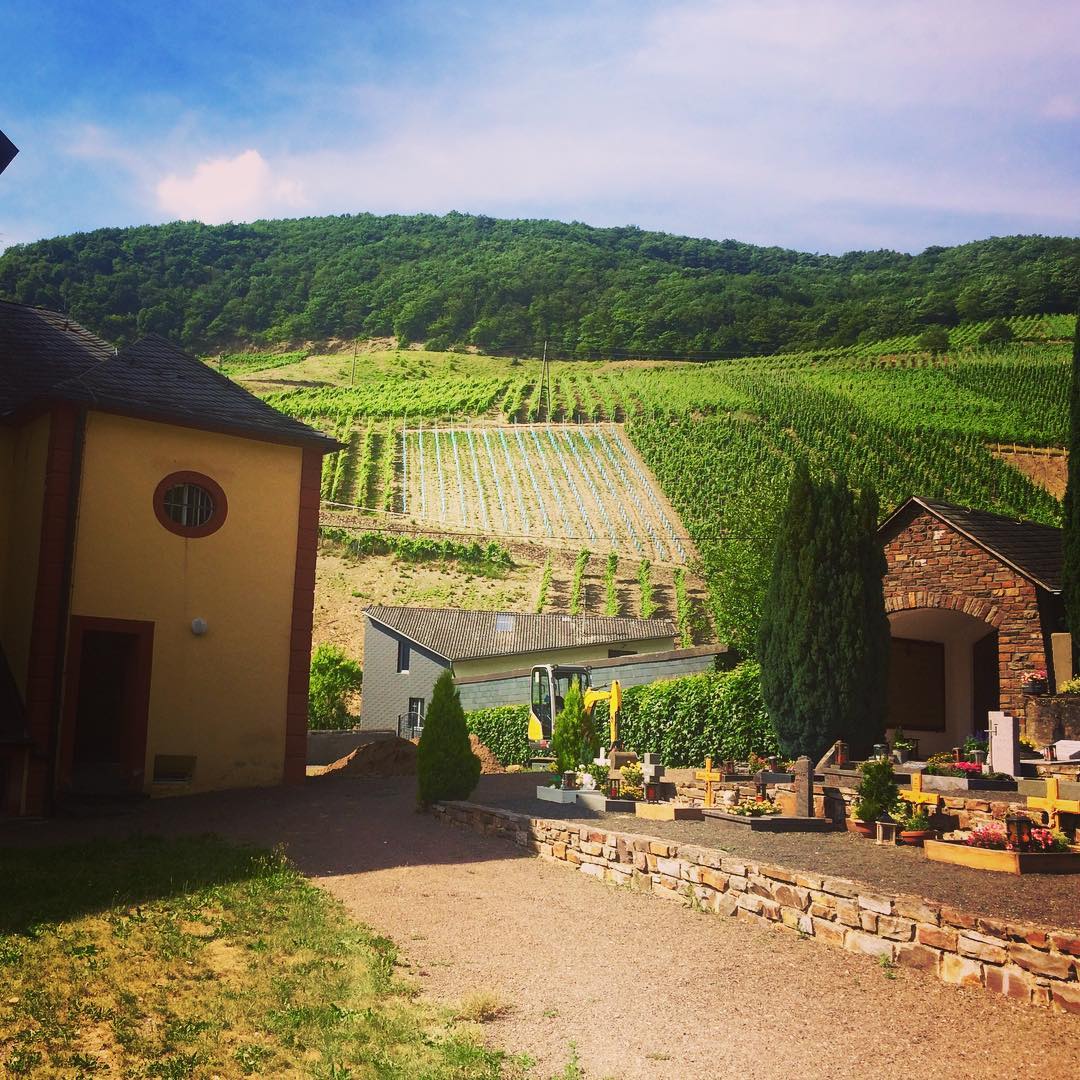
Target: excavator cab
<point>550,684</point>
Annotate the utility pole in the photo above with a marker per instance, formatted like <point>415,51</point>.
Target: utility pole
<point>352,377</point>
<point>545,380</point>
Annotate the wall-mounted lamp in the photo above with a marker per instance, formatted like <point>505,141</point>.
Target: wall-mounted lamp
<point>198,627</point>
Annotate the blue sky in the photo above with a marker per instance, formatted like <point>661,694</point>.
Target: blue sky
<point>822,125</point>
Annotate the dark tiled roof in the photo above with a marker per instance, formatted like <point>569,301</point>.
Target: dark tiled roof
<point>1036,551</point>
<point>44,356</point>
<point>40,349</point>
<point>471,635</point>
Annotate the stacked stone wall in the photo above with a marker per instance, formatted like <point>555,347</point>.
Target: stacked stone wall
<point>1030,964</point>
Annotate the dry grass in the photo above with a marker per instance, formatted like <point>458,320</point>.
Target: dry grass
<point>482,1007</point>
<point>196,958</point>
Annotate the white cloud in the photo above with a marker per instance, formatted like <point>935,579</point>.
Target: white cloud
<point>1062,107</point>
<point>240,188</point>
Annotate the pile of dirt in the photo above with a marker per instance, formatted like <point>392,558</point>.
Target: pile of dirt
<point>489,763</point>
<point>382,757</point>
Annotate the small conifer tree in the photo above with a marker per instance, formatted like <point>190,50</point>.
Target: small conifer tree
<point>573,739</point>
<point>824,637</point>
<point>446,767</point>
<point>1071,576</point>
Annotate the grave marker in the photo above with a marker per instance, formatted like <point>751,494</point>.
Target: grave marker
<point>710,776</point>
<point>804,788</point>
<point>1052,805</point>
<point>917,796</point>
<point>1004,743</point>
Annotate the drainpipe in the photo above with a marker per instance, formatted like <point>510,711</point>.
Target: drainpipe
<point>78,443</point>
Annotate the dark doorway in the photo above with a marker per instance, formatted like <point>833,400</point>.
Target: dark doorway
<point>108,691</point>
<point>986,687</point>
<point>916,685</point>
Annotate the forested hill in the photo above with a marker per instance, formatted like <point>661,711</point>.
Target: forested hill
<point>464,279</point>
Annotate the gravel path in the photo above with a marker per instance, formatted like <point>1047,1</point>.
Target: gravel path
<point>1048,899</point>
<point>642,987</point>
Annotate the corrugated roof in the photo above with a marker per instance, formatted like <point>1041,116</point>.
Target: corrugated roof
<point>46,356</point>
<point>1033,550</point>
<point>455,634</point>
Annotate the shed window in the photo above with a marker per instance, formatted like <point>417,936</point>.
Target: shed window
<point>189,504</point>
<point>403,656</point>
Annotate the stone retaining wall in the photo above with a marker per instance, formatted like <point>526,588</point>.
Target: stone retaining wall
<point>1032,964</point>
<point>1052,717</point>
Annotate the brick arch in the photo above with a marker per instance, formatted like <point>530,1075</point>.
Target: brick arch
<point>984,610</point>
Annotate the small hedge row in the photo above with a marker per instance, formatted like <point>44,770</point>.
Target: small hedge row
<point>419,549</point>
<point>719,714</point>
<point>504,731</point>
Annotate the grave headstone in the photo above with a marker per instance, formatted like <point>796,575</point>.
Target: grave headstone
<point>804,787</point>
<point>652,768</point>
<point>710,776</point>
<point>1004,743</point>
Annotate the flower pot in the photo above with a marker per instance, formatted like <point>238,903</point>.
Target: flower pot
<point>863,828</point>
<point>1036,686</point>
<point>915,837</point>
<point>1007,862</point>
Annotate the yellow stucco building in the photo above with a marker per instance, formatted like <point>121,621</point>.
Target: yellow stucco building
<point>158,530</point>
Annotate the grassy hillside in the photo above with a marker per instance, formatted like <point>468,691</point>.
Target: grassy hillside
<point>462,279</point>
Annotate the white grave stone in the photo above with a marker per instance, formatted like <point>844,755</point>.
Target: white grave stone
<point>1066,750</point>
<point>1004,743</point>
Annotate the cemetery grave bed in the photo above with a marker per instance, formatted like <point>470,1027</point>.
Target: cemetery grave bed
<point>1043,899</point>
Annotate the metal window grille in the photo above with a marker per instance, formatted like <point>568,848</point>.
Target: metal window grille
<point>189,505</point>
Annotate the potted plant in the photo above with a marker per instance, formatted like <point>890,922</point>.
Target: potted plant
<point>914,824</point>
<point>633,781</point>
<point>877,795</point>
<point>902,746</point>
<point>1016,846</point>
<point>1034,682</point>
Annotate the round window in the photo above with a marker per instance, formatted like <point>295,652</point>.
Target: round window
<point>190,504</point>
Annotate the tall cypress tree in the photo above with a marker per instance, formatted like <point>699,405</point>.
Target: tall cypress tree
<point>446,767</point>
<point>824,637</point>
<point>1071,575</point>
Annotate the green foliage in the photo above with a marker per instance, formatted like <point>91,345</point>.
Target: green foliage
<point>719,714</point>
<point>1071,571</point>
<point>335,677</point>
<point>545,586</point>
<point>504,730</point>
<point>573,738</point>
<point>934,339</point>
<point>998,332</point>
<point>684,613</point>
<point>419,549</point>
<point>577,582</point>
<point>645,584</point>
<point>878,791</point>
<point>446,767</point>
<point>824,636</point>
<point>500,284</point>
<point>611,595</point>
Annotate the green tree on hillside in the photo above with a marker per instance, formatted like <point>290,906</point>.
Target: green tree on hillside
<point>824,638</point>
<point>1071,573</point>
<point>335,678</point>
<point>999,332</point>
<point>446,767</point>
<point>934,339</point>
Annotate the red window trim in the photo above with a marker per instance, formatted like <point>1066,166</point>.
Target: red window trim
<point>191,532</point>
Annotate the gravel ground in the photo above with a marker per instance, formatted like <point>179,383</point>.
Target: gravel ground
<point>1049,899</point>
<point>643,988</point>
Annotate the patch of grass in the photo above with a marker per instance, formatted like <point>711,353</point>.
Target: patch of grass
<point>194,957</point>
<point>482,1007</point>
<point>888,968</point>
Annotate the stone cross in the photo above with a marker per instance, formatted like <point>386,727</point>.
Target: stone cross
<point>710,777</point>
<point>804,788</point>
<point>652,770</point>
<point>1004,743</point>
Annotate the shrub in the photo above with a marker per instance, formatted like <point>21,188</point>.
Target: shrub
<point>878,790</point>
<point>719,714</point>
<point>504,731</point>
<point>334,679</point>
<point>573,738</point>
<point>446,767</point>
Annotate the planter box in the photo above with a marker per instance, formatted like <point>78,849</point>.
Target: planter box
<point>772,822</point>
<point>667,812</point>
<point>556,795</point>
<point>599,803</point>
<point>1005,862</point>
<point>948,784</point>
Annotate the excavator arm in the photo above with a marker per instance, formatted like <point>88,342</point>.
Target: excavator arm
<point>614,698</point>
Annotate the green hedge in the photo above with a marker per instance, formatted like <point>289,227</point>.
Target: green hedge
<point>684,720</point>
<point>504,731</point>
<point>419,549</point>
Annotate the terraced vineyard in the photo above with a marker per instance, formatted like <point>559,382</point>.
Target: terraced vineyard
<point>550,483</point>
<point>680,462</point>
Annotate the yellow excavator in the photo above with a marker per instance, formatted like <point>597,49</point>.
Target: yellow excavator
<point>550,683</point>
